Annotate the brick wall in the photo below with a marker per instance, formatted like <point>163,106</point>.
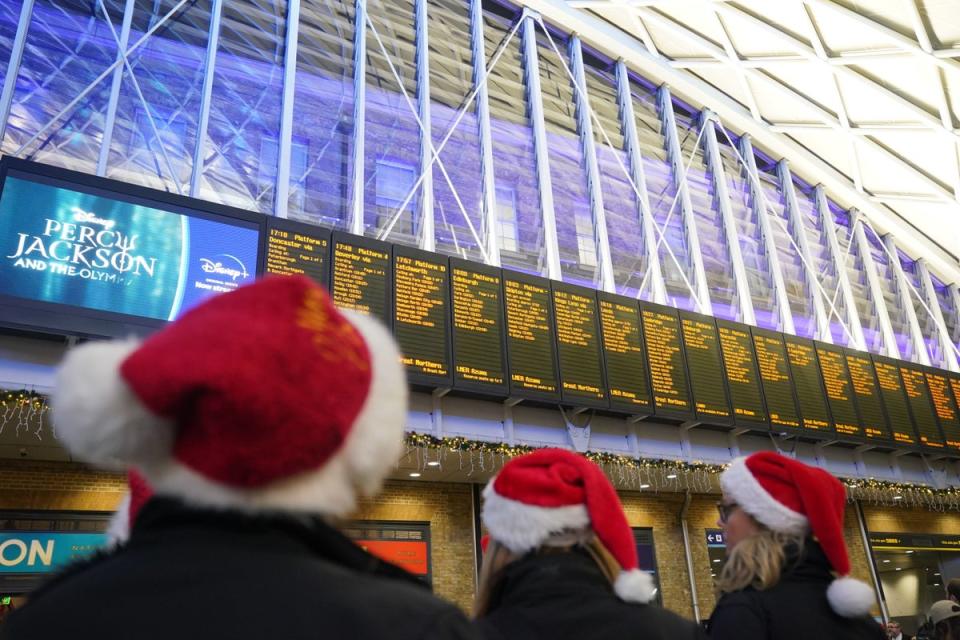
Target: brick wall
<point>910,520</point>
<point>661,512</point>
<point>28,485</point>
<point>449,510</point>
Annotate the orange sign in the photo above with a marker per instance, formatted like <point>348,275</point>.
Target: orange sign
<point>407,554</point>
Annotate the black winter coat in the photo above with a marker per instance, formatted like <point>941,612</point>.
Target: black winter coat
<point>796,607</point>
<point>565,596</point>
<point>189,573</point>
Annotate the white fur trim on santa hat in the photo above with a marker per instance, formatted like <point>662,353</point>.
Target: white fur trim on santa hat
<point>522,527</point>
<point>739,484</point>
<point>635,586</point>
<point>369,452</point>
<point>97,416</point>
<point>850,597</point>
<point>118,531</point>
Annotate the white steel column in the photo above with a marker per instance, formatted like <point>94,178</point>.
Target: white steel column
<point>531,70</point>
<point>840,267</point>
<point>427,232</point>
<point>715,164</point>
<point>209,67</point>
<point>769,240</point>
<point>628,123</point>
<point>13,66</point>
<point>903,292</point>
<point>491,226</point>
<point>114,102</point>
<point>585,129</point>
<point>803,243</point>
<point>947,347</point>
<point>285,144</point>
<point>675,155</point>
<point>890,347</point>
<point>355,220</point>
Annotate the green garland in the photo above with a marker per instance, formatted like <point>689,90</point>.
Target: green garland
<point>868,489</point>
<point>22,397</point>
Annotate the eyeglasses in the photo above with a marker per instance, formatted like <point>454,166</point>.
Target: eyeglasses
<point>726,509</point>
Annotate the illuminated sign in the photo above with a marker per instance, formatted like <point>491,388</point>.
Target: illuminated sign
<point>668,367</point>
<point>623,351</point>
<point>29,552</point>
<point>742,374</point>
<point>68,244</point>
<point>705,364</point>
<point>296,248</point>
<point>579,346</point>
<point>531,346</point>
<point>476,295</point>
<point>421,321</point>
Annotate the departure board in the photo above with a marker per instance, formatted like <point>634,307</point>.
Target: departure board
<point>579,356</point>
<point>867,393</point>
<point>952,437</point>
<point>839,388</point>
<point>297,248</point>
<point>668,369</point>
<point>361,276</point>
<point>705,364</point>
<point>479,361</point>
<point>921,406</point>
<point>530,337</point>
<point>945,407</point>
<point>805,371</point>
<point>421,314</point>
<point>775,378</point>
<point>623,351</point>
<point>743,378</point>
<point>894,400</point>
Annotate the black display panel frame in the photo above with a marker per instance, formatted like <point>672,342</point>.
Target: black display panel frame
<point>571,397</point>
<point>52,318</point>
<point>886,438</point>
<point>953,379</point>
<point>701,378</point>
<point>835,405</point>
<point>950,432</point>
<point>891,396</point>
<point>805,402</point>
<point>284,225</point>
<point>340,237</point>
<point>740,419</point>
<point>640,409</point>
<point>670,413</point>
<point>773,413</point>
<point>917,405</point>
<point>423,378</point>
<point>471,386</point>
<point>516,389</point>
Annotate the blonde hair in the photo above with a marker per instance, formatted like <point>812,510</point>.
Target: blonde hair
<point>757,561</point>
<point>497,557</point>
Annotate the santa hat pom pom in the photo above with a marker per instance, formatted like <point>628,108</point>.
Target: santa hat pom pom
<point>96,414</point>
<point>850,597</point>
<point>635,586</point>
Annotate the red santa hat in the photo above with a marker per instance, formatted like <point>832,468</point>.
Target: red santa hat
<point>791,497</point>
<point>263,399</point>
<point>138,493</point>
<point>551,492</point>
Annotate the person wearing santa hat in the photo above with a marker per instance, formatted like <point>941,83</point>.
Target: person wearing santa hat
<point>256,418</point>
<point>561,561</point>
<point>138,493</point>
<point>787,569</point>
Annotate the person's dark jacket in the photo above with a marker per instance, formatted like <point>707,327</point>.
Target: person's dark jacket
<point>209,575</point>
<point>796,607</point>
<point>565,596</point>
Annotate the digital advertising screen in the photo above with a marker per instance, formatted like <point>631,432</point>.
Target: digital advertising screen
<point>85,247</point>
